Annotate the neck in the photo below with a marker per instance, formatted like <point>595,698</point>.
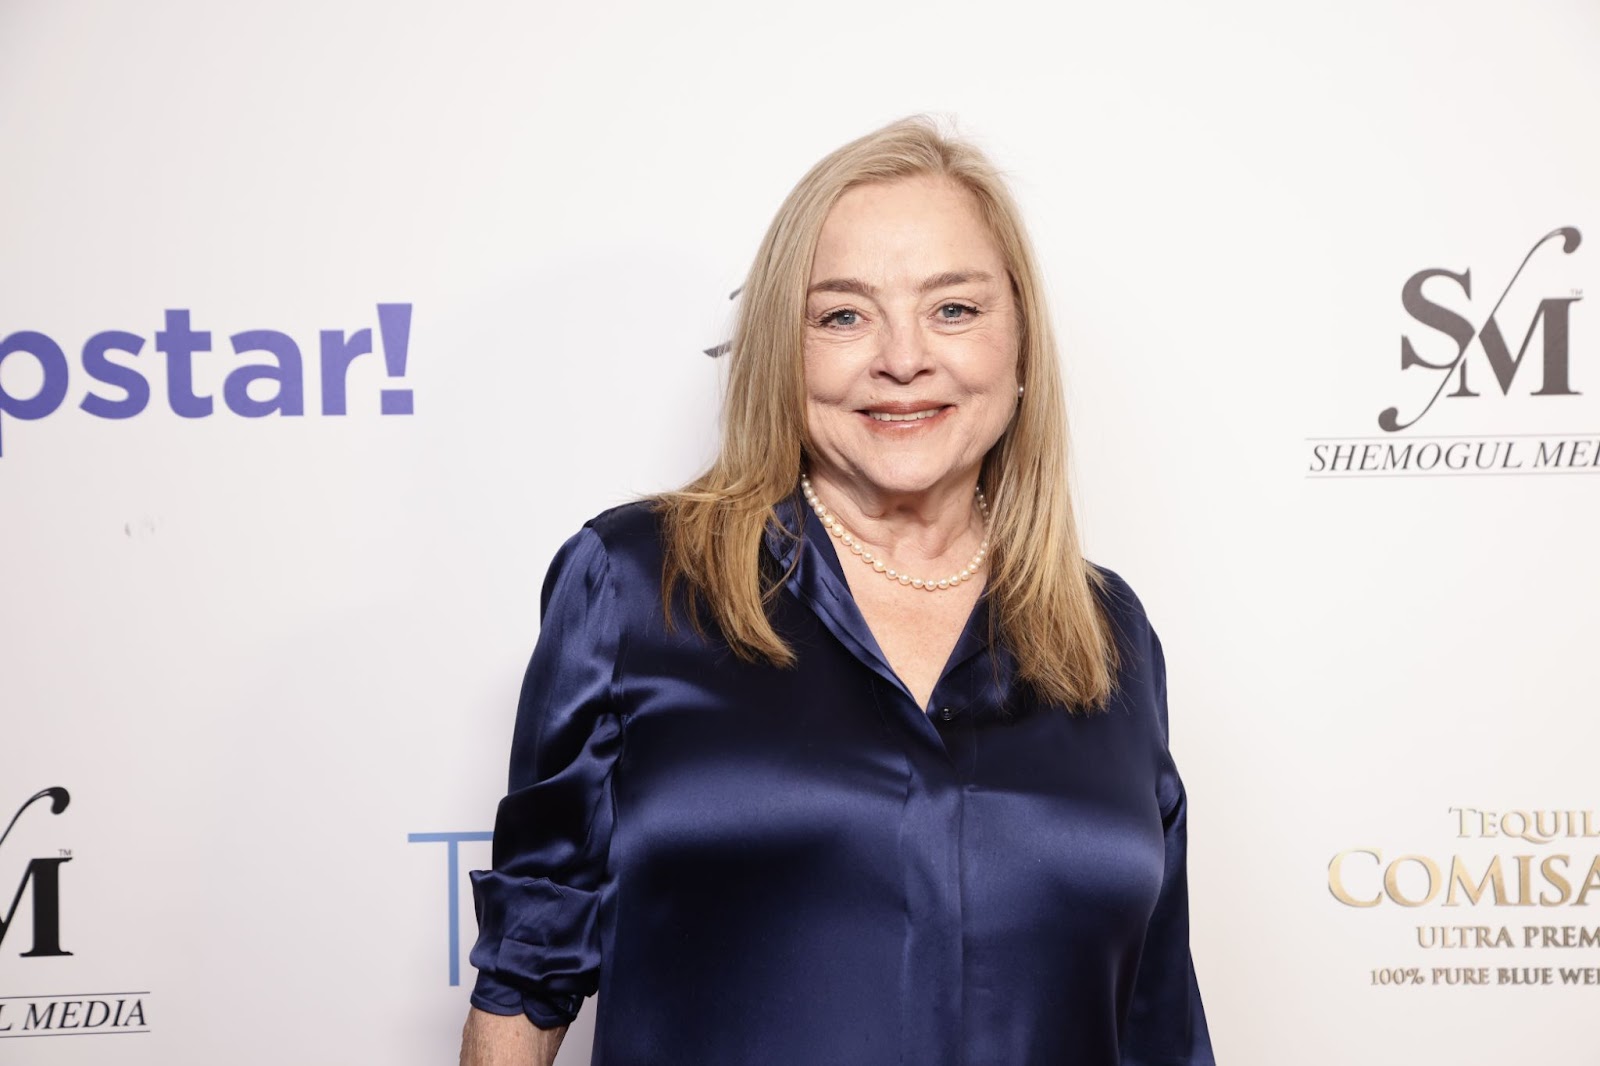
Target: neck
<point>931,526</point>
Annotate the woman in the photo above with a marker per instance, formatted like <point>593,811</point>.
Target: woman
<point>843,754</point>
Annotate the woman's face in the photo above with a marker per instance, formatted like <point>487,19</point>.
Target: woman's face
<point>911,339</point>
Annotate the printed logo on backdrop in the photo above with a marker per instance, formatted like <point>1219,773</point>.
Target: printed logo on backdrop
<point>39,890</point>
<point>717,351</point>
<point>1457,365</point>
<point>37,379</point>
<point>1505,903</point>
<point>455,881</point>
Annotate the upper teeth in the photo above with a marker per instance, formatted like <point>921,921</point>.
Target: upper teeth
<point>885,416</point>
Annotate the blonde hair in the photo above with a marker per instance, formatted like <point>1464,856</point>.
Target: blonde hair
<point>1043,607</point>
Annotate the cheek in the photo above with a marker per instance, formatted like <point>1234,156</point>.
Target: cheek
<point>829,376</point>
<point>989,365</point>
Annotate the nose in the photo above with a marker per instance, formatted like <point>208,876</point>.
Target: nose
<point>903,352</point>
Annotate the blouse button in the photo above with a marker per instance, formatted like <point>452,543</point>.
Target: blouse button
<point>947,714</point>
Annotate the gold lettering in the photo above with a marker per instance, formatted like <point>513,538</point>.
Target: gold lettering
<point>1391,880</point>
<point>1459,879</point>
<point>1336,878</point>
<point>1591,883</point>
<point>1547,868</point>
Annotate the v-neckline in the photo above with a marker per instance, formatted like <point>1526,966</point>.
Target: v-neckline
<point>819,581</point>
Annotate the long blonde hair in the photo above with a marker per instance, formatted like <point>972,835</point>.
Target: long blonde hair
<point>1043,607</point>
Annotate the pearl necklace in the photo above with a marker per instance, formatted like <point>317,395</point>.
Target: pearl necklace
<point>861,551</point>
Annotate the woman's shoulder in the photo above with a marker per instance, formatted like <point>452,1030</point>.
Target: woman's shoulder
<point>628,525</point>
<point>1121,603</point>
<point>620,546</point>
<point>620,535</point>
<point>1142,663</point>
<point>1139,645</point>
<point>611,563</point>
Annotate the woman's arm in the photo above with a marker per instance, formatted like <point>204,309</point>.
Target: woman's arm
<point>507,1040</point>
<point>538,952</point>
<point>1166,1019</point>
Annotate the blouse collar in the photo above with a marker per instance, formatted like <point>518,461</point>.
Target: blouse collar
<point>818,580</point>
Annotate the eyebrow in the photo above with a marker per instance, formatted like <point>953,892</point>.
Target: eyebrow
<point>937,281</point>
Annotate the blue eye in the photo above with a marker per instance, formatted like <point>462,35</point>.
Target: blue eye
<point>842,317</point>
<point>961,311</point>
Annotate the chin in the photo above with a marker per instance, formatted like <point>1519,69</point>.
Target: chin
<point>906,477</point>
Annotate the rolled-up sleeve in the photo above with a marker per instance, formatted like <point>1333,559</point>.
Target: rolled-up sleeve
<point>538,947</point>
<point>1166,1020</point>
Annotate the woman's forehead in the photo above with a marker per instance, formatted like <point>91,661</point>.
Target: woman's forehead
<point>903,232</point>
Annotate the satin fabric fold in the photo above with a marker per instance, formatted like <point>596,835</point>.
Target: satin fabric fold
<point>769,866</point>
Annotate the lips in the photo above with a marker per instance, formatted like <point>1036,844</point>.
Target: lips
<point>905,411</point>
<point>914,416</point>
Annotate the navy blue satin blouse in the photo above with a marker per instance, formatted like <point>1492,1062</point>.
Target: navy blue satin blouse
<point>766,866</point>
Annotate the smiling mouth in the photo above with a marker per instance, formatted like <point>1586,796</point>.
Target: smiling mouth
<point>905,416</point>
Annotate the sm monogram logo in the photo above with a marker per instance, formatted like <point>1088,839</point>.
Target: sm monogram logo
<point>1553,313</point>
<point>44,875</point>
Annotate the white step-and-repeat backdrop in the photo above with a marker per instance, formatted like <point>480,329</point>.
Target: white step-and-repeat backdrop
<point>322,325</point>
